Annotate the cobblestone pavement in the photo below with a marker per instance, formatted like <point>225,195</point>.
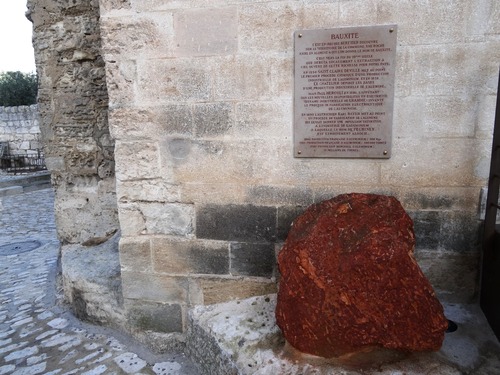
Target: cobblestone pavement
<point>38,335</point>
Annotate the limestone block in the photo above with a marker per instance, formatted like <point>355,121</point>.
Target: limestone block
<point>482,162</point>
<point>162,5</point>
<point>150,322</point>
<point>238,223</point>
<point>427,227</point>
<point>282,78</point>
<point>106,192</point>
<point>486,107</point>
<point>453,276</point>
<point>255,118</point>
<point>109,5</point>
<point>15,145</point>
<point>404,71</point>
<point>206,31</point>
<point>477,19</point>
<point>135,254</point>
<point>72,132</point>
<point>146,34</point>
<point>190,257</point>
<point>408,121</point>
<point>358,12</point>
<point>460,232</point>
<point>153,287</point>
<point>82,162</point>
<point>93,220</point>
<point>216,290</point>
<point>272,195</point>
<point>424,24</point>
<point>217,193</point>
<point>168,218</point>
<point>321,15</point>
<point>213,119</point>
<point>277,167</point>
<point>252,259</point>
<point>286,216</point>
<point>133,123</point>
<point>151,122</point>
<point>494,16</point>
<point>105,140</point>
<point>210,161</point>
<point>132,221</point>
<point>452,162</point>
<point>437,71</point>
<point>91,280</point>
<point>24,145</point>
<point>235,337</point>
<point>156,190</point>
<point>238,77</point>
<point>136,160</point>
<point>54,163</point>
<point>175,119</point>
<point>268,27</point>
<point>449,116</point>
<point>437,198</point>
<point>120,78</point>
<point>162,81</point>
<point>433,198</point>
<point>36,145</point>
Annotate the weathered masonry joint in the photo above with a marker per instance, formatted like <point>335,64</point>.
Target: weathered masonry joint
<point>169,125</point>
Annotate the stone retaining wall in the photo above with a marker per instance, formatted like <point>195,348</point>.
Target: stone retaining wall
<point>20,128</point>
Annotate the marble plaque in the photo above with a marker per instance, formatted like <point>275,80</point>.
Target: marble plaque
<point>344,92</point>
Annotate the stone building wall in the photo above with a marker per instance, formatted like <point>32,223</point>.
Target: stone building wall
<point>73,105</point>
<point>200,108</point>
<point>199,96</point>
<point>19,127</point>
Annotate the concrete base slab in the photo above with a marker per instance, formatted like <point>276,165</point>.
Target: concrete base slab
<point>241,337</point>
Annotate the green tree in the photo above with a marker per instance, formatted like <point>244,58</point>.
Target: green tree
<point>18,88</point>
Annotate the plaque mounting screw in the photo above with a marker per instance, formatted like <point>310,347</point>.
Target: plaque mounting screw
<point>385,152</point>
<point>300,35</point>
<point>299,152</point>
<point>391,30</point>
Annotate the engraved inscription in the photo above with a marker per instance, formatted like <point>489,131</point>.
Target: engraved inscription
<point>344,82</point>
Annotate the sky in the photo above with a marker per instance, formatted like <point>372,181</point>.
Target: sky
<point>16,50</point>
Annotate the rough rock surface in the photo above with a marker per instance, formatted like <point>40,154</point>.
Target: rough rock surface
<point>73,108</point>
<point>350,281</point>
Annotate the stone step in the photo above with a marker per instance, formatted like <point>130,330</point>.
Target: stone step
<point>10,185</point>
<point>10,190</point>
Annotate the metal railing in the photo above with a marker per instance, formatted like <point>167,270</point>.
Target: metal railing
<point>23,163</point>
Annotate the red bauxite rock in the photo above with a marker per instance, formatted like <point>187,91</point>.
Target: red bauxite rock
<point>349,281</point>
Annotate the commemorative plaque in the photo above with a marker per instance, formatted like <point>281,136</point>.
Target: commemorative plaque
<point>344,92</point>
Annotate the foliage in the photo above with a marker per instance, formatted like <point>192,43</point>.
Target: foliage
<point>18,88</point>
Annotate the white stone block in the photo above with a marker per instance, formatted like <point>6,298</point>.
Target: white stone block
<point>205,32</point>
